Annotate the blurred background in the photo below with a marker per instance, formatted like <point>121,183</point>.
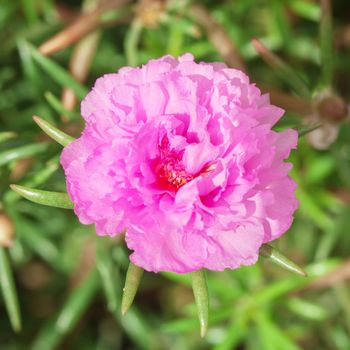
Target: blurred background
<point>67,283</point>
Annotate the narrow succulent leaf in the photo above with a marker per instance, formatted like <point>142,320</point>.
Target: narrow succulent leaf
<point>57,105</point>
<point>131,43</point>
<point>70,314</point>
<point>272,336</point>
<point>52,199</point>
<point>6,135</point>
<point>132,282</point>
<point>9,290</point>
<point>307,9</point>
<point>200,292</point>
<point>37,241</point>
<point>22,152</point>
<point>138,329</point>
<point>57,73</point>
<point>56,134</point>
<point>326,42</point>
<point>41,176</point>
<point>306,130</point>
<point>286,72</point>
<point>30,68</point>
<point>107,274</point>
<point>279,259</point>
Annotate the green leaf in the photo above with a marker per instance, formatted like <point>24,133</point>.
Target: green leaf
<point>131,43</point>
<point>272,336</point>
<point>57,105</point>
<point>108,274</point>
<point>200,291</point>
<point>52,199</point>
<point>69,315</point>
<point>30,68</point>
<point>41,176</point>
<point>9,291</point>
<point>57,73</point>
<point>6,135</point>
<point>308,310</point>
<point>137,327</point>
<point>132,282</point>
<point>37,241</point>
<point>279,259</point>
<point>22,152</point>
<point>306,9</point>
<point>56,134</point>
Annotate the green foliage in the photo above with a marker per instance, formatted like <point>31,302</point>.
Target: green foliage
<point>62,286</point>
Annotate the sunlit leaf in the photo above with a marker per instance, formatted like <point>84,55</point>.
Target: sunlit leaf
<point>56,134</point>
<point>52,199</point>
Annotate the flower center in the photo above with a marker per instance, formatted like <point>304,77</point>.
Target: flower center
<point>170,170</point>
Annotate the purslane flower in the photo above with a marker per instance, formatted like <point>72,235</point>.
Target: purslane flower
<point>183,157</point>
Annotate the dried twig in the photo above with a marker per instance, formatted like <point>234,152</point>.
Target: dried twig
<point>83,25</point>
<point>79,66</point>
<point>218,37</point>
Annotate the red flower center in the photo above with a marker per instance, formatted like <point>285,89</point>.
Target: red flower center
<point>171,172</point>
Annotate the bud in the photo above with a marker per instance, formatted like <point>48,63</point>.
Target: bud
<point>6,230</point>
<point>330,107</point>
<point>330,110</point>
<point>324,136</point>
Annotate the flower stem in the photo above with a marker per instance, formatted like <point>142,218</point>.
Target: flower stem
<point>200,291</point>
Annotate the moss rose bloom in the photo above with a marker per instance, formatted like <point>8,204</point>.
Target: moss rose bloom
<point>182,156</point>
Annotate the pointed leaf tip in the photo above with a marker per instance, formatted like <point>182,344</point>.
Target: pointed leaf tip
<point>49,198</point>
<point>200,292</point>
<point>132,282</point>
<point>51,131</point>
<point>279,259</point>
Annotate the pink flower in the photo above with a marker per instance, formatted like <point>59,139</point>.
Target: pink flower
<point>183,157</point>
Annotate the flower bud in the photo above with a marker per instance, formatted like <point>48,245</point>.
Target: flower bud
<point>331,108</point>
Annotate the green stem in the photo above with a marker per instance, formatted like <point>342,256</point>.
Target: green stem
<point>200,292</point>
